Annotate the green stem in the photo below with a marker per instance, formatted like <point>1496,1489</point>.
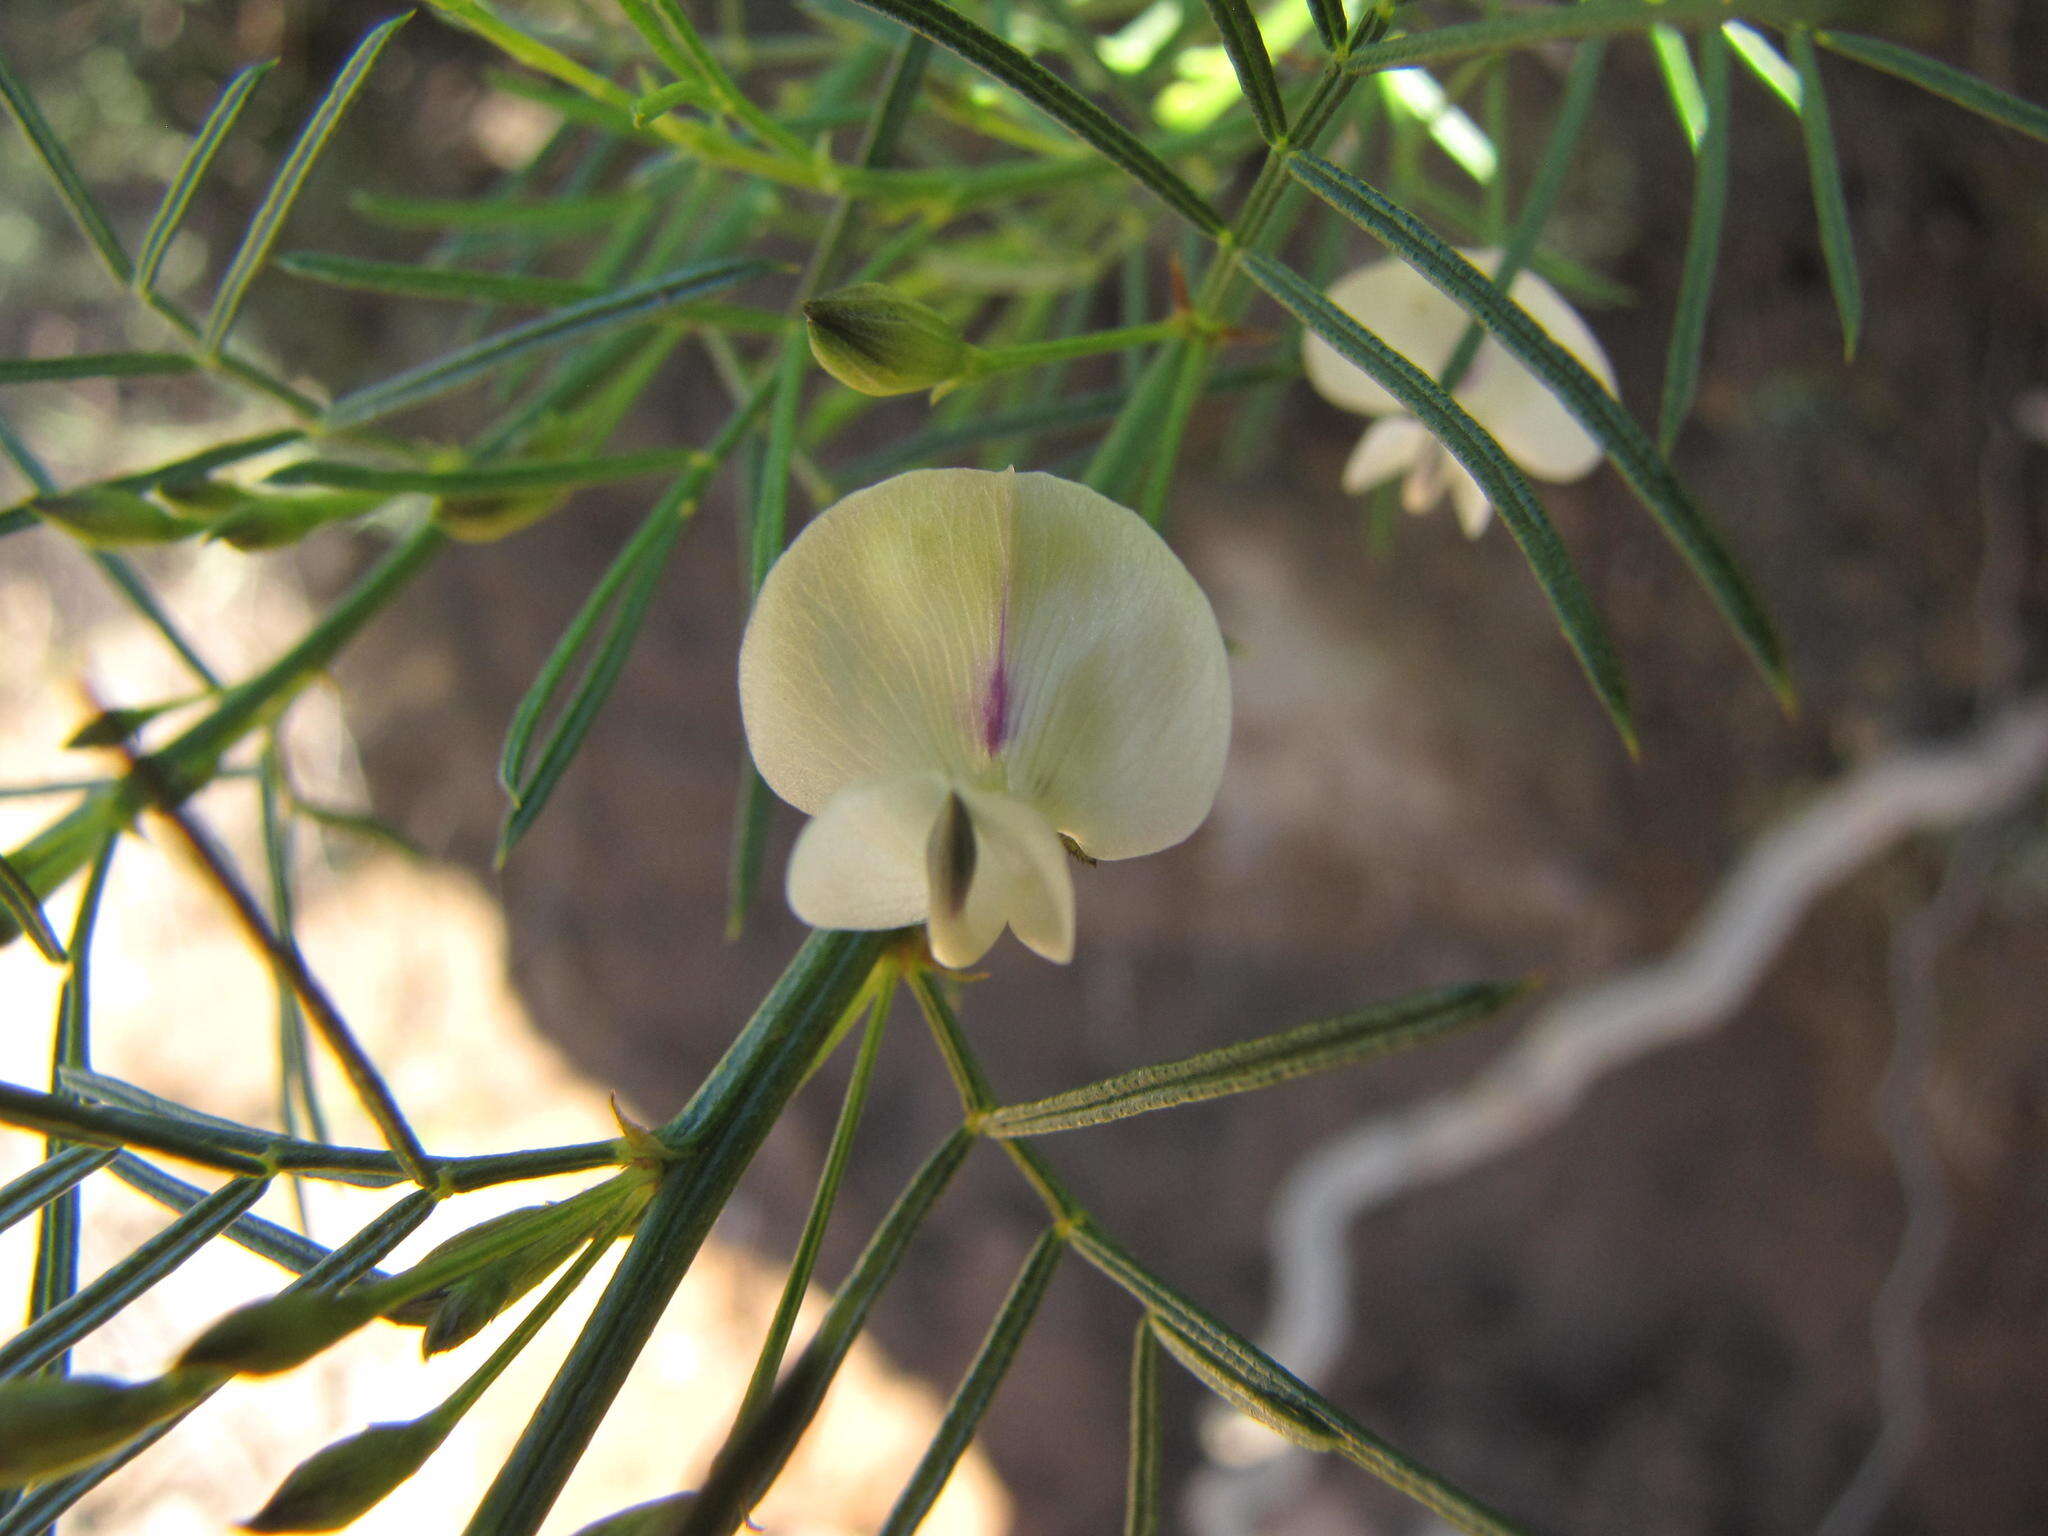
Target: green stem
<point>721,1128</point>
<point>1060,349</point>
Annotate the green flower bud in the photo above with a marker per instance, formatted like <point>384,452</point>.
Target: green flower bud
<point>50,1425</point>
<point>278,1333</point>
<point>105,516</point>
<point>336,1486</point>
<point>872,339</point>
<point>468,1306</point>
<point>500,1252</point>
<point>482,519</point>
<point>271,521</point>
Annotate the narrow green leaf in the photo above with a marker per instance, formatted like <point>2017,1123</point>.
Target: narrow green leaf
<point>1764,61</point>
<point>661,102</point>
<point>93,365</point>
<point>1252,1371</point>
<point>1589,18</point>
<point>1702,249</point>
<point>796,1284</point>
<point>1681,82</point>
<point>358,824</point>
<point>1279,1412</point>
<point>1372,1032</point>
<point>667,27</point>
<point>619,602</point>
<point>642,576</point>
<point>54,1280</point>
<point>1052,95</point>
<point>647,542</point>
<point>290,180</point>
<point>1645,468</point>
<point>970,1401</point>
<point>768,523</point>
<point>49,1179</point>
<point>192,466</point>
<point>64,1325</point>
<point>1945,80</point>
<point>1582,82</point>
<point>170,213</point>
<point>266,1239</point>
<point>1062,413</point>
<point>78,200</point>
<point>1505,485</point>
<point>1830,206</point>
<point>1123,459</point>
<point>492,478</point>
<point>640,301</point>
<point>1328,15</point>
<point>1141,1483</point>
<point>749,1462</point>
<point>21,904</point>
<point>751,811</point>
<point>532,219</point>
<point>467,285</point>
<point>1246,46</point>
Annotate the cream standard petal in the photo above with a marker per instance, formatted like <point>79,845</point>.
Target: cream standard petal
<point>1116,708</point>
<point>860,862</point>
<point>869,650</point>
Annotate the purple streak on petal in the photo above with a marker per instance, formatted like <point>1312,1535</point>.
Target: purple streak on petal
<point>995,704</point>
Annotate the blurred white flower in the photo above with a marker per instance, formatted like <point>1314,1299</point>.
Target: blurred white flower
<point>953,669</point>
<point>1422,323</point>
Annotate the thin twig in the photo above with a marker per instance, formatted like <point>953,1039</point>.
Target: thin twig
<point>1609,1024</point>
<point>321,1012</point>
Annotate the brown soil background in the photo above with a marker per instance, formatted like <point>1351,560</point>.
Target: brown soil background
<point>1656,1320</point>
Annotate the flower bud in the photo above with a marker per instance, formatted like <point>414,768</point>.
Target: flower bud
<point>336,1486</point>
<point>50,1425</point>
<point>872,339</point>
<point>467,1307</point>
<point>280,1332</point>
<point>105,516</point>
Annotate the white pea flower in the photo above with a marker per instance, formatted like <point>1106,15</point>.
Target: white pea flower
<point>952,670</point>
<point>1418,320</point>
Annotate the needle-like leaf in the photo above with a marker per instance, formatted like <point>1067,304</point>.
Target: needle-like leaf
<point>290,180</point>
<point>1052,95</point>
<point>1277,1058</point>
<point>1830,206</point>
<point>1958,86</point>
<point>640,301</point>
<point>170,213</point>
